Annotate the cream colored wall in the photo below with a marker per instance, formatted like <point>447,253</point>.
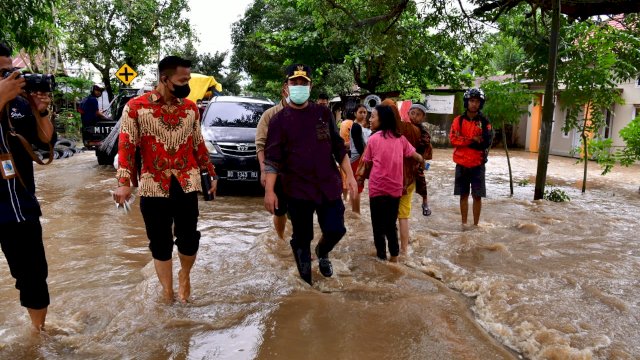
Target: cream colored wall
<point>559,144</point>
<point>624,113</point>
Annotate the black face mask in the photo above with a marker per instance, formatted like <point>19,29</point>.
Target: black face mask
<point>180,91</point>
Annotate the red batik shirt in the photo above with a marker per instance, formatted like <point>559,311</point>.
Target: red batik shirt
<point>170,142</point>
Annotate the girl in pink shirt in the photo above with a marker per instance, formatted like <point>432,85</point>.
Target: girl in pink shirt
<point>385,152</point>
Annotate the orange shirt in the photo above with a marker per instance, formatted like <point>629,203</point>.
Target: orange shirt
<point>345,130</point>
<point>461,138</point>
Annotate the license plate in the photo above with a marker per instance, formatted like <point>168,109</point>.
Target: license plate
<point>102,129</point>
<point>242,175</point>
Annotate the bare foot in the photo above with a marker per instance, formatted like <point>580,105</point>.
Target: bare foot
<point>168,297</point>
<point>393,259</point>
<point>184,286</point>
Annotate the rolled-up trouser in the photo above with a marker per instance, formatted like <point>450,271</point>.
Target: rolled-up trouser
<point>384,213</point>
<point>22,246</point>
<point>330,218</point>
<point>180,211</point>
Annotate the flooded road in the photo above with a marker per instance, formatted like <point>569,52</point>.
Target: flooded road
<point>536,279</point>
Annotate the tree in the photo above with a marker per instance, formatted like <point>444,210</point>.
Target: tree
<point>109,33</point>
<point>505,105</point>
<point>212,65</point>
<point>631,136</point>
<point>599,57</point>
<point>386,45</point>
<point>500,54</point>
<point>28,24</point>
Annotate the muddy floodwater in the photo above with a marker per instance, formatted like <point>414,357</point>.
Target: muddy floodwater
<point>536,279</point>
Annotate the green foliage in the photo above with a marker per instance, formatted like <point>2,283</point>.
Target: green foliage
<point>600,150</point>
<point>556,195</point>
<point>109,33</point>
<point>414,94</point>
<point>500,54</point>
<point>28,24</point>
<point>68,92</point>
<point>506,102</point>
<point>212,65</point>
<point>631,136</point>
<point>71,122</point>
<point>523,182</point>
<point>72,88</point>
<point>383,45</point>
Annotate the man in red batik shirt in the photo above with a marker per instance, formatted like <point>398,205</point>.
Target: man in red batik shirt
<point>166,128</point>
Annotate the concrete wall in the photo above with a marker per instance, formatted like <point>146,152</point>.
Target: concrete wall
<point>626,112</point>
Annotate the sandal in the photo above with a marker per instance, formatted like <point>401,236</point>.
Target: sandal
<point>425,210</point>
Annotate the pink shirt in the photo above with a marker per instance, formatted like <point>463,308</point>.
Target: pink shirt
<point>387,154</point>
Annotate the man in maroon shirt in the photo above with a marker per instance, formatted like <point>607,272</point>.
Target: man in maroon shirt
<point>303,147</point>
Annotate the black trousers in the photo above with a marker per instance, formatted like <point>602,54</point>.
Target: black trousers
<point>384,213</point>
<point>330,218</point>
<point>161,214</point>
<point>22,246</point>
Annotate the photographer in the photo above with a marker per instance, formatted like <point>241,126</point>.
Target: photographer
<point>21,234</point>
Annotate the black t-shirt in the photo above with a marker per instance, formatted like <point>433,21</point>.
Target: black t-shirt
<point>18,203</point>
<point>89,110</point>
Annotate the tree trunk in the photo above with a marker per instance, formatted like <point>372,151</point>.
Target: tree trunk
<point>107,84</point>
<point>586,158</point>
<point>506,150</point>
<point>547,115</point>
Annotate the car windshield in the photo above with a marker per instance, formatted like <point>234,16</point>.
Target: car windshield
<point>240,114</point>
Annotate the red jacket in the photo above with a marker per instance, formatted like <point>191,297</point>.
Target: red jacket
<point>468,152</point>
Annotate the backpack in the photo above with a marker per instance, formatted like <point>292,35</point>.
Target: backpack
<point>487,133</point>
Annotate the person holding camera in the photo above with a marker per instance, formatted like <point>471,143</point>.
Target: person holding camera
<point>23,115</point>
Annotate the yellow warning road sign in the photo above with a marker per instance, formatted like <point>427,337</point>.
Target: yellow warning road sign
<point>126,74</point>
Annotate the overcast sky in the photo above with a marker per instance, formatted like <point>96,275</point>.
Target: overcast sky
<point>212,21</point>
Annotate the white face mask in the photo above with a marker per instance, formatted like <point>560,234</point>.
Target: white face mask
<point>299,94</point>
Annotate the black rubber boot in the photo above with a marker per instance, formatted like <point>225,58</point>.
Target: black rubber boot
<point>303,261</point>
<point>326,268</point>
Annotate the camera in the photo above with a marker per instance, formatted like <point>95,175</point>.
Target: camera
<point>36,82</point>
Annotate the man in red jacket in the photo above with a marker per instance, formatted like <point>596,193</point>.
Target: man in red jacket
<point>471,136</point>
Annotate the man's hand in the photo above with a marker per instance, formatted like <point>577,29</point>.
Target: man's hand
<point>263,178</point>
<point>10,88</point>
<point>123,193</point>
<point>214,188</point>
<point>270,201</point>
<point>41,100</point>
